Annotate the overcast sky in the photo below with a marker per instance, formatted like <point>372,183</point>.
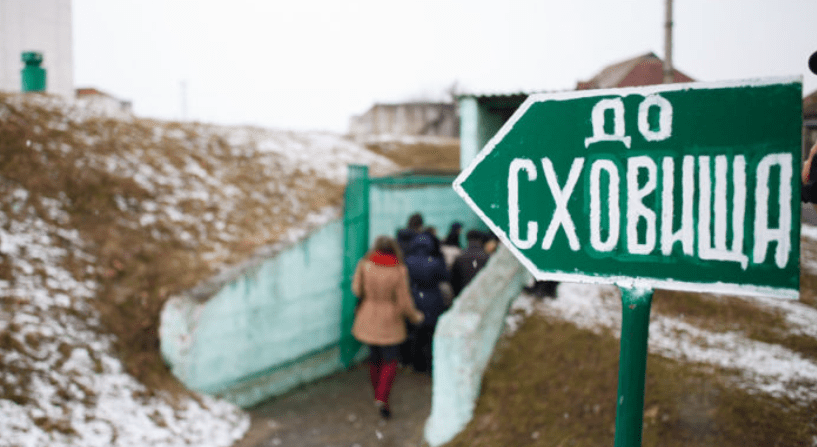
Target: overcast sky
<point>312,64</point>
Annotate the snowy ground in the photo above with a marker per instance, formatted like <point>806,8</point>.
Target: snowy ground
<point>71,377</point>
<point>757,366</point>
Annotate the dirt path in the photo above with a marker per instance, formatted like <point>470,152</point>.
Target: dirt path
<point>339,412</point>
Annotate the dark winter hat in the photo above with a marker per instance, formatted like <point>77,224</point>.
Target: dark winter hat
<point>415,221</point>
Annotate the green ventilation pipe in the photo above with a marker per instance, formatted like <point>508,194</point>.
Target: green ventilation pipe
<point>33,75</point>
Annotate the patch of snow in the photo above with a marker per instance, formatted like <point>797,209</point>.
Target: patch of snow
<point>758,366</point>
<point>53,313</point>
<point>521,308</point>
<point>809,231</point>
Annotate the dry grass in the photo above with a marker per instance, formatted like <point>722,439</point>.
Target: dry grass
<point>728,313</point>
<point>808,281</point>
<point>421,156</point>
<point>552,384</point>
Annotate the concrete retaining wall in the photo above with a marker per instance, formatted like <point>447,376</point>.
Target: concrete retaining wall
<point>464,342</point>
<point>268,330</point>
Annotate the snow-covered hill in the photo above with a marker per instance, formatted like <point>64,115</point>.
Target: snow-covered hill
<point>101,219</point>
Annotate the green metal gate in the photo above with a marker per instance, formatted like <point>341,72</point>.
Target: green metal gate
<point>376,206</point>
<point>355,243</point>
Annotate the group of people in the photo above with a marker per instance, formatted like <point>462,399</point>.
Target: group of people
<point>403,285</point>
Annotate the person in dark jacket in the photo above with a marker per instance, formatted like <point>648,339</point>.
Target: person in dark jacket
<point>470,262</point>
<point>426,272</point>
<point>453,237</point>
<point>451,247</point>
<point>490,242</point>
<point>405,236</point>
<point>542,289</point>
<point>413,228</point>
<point>435,242</point>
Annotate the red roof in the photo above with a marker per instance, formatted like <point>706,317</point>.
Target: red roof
<point>90,91</point>
<point>647,69</point>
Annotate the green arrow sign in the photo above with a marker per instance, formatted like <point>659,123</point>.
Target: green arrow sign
<point>683,186</point>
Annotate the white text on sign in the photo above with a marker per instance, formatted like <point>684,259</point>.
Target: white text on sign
<point>714,209</point>
<point>657,229</point>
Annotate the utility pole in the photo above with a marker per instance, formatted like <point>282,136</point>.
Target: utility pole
<point>668,70</point>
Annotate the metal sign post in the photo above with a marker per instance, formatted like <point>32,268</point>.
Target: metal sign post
<point>690,187</point>
<point>632,365</point>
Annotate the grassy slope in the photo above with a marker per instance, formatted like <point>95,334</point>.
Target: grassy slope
<point>553,384</point>
<point>421,156</point>
<point>563,394</point>
<point>260,196</point>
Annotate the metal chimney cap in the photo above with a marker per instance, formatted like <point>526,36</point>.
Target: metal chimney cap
<point>32,57</point>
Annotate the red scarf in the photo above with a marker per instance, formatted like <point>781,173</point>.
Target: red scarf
<point>384,259</point>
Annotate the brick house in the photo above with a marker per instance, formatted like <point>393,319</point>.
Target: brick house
<point>647,69</point>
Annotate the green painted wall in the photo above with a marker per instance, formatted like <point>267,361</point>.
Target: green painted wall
<point>262,320</point>
<point>440,206</point>
<point>480,119</point>
<point>278,325</point>
<point>470,140</point>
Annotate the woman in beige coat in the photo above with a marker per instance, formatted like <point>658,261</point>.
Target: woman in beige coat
<point>381,284</point>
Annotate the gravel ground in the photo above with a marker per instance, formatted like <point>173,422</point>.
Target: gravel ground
<point>339,412</point>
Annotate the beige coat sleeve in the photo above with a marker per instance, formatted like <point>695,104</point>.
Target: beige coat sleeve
<point>406,302</point>
<point>357,280</point>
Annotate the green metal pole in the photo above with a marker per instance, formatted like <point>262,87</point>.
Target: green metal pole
<point>632,366</point>
<point>355,244</point>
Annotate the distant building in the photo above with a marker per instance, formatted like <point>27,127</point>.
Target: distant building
<point>43,26</point>
<point>407,119</point>
<point>482,115</point>
<point>101,100</point>
<point>647,69</point>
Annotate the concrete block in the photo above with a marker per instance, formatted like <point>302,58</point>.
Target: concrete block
<point>464,341</point>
